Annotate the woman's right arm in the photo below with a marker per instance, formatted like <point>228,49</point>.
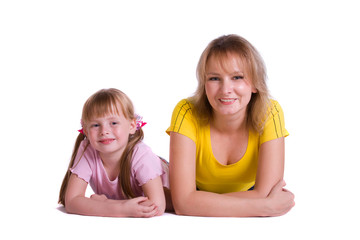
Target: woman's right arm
<point>77,203</point>
<point>188,201</point>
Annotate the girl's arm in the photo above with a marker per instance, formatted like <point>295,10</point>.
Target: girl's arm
<point>153,189</point>
<point>188,201</point>
<point>270,169</point>
<point>77,203</point>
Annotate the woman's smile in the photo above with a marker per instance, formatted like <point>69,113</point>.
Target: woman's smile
<point>227,101</point>
<point>228,87</point>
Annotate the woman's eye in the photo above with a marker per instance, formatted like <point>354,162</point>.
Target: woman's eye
<point>214,79</point>
<point>238,77</point>
<point>114,123</point>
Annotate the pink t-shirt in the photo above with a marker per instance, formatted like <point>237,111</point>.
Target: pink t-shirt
<point>145,166</point>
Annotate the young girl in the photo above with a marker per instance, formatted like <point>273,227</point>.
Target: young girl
<point>127,178</point>
<point>229,138</point>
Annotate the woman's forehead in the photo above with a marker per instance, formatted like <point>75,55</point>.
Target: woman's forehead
<point>227,62</point>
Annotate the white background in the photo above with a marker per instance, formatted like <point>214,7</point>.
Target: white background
<point>55,54</point>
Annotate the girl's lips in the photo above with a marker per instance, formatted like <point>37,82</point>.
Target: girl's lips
<point>106,141</point>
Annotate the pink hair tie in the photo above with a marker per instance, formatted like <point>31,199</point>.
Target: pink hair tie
<point>82,128</point>
<point>139,122</point>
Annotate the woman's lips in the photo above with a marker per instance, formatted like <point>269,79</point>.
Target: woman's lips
<point>227,101</point>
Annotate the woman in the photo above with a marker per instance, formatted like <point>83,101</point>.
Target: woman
<point>227,141</point>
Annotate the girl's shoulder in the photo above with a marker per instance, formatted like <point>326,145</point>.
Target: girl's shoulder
<point>143,155</point>
<point>142,149</point>
<point>87,151</point>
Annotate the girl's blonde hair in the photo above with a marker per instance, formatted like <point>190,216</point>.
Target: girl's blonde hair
<point>220,48</point>
<point>100,104</point>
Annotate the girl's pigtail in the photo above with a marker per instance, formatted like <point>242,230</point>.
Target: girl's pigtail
<point>64,184</point>
<point>125,164</point>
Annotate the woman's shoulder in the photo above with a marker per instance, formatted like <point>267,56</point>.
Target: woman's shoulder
<point>274,107</point>
<point>184,104</point>
<point>275,125</point>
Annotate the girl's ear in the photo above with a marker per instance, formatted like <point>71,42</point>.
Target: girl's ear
<point>133,126</point>
<point>253,89</point>
<point>85,131</point>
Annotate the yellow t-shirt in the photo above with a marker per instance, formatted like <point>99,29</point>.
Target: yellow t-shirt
<point>211,175</point>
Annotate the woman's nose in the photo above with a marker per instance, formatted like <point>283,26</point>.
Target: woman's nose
<point>226,86</point>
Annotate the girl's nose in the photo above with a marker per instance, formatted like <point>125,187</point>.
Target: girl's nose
<point>104,130</point>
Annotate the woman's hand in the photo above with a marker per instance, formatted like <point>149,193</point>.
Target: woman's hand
<point>280,200</point>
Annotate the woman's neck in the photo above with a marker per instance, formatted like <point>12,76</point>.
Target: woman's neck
<point>229,123</point>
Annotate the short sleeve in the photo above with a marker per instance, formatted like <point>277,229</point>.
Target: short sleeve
<point>145,164</point>
<point>83,161</point>
<point>275,125</point>
<point>183,121</point>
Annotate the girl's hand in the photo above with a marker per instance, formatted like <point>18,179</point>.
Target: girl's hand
<point>140,207</point>
<point>280,200</point>
<point>97,197</point>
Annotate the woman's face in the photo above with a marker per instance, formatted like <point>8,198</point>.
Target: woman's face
<point>227,85</point>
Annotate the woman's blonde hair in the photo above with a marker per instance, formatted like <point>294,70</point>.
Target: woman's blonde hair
<point>100,104</point>
<point>220,48</point>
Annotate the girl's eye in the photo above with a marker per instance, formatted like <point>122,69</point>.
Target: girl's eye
<point>114,123</point>
<point>95,125</point>
<point>238,77</point>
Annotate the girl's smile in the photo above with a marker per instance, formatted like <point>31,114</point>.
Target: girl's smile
<point>107,141</point>
<point>109,134</point>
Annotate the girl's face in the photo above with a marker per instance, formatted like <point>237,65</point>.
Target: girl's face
<point>227,85</point>
<point>109,135</point>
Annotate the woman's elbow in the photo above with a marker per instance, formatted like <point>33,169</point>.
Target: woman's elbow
<point>260,193</point>
<point>181,207</point>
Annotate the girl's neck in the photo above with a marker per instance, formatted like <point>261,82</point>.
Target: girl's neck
<point>111,164</point>
<point>111,159</point>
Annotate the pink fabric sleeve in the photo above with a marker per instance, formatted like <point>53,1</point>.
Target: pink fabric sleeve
<point>84,161</point>
<point>146,165</point>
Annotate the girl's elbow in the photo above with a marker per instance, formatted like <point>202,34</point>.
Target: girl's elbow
<point>68,208</point>
<point>161,211</point>
<point>69,205</point>
<point>161,208</point>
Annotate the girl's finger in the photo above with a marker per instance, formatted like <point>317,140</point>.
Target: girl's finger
<point>152,213</point>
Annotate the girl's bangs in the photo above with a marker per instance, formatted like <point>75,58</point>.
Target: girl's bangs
<point>102,107</point>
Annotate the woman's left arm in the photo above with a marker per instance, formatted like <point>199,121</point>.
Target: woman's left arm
<point>154,190</point>
<point>270,169</point>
